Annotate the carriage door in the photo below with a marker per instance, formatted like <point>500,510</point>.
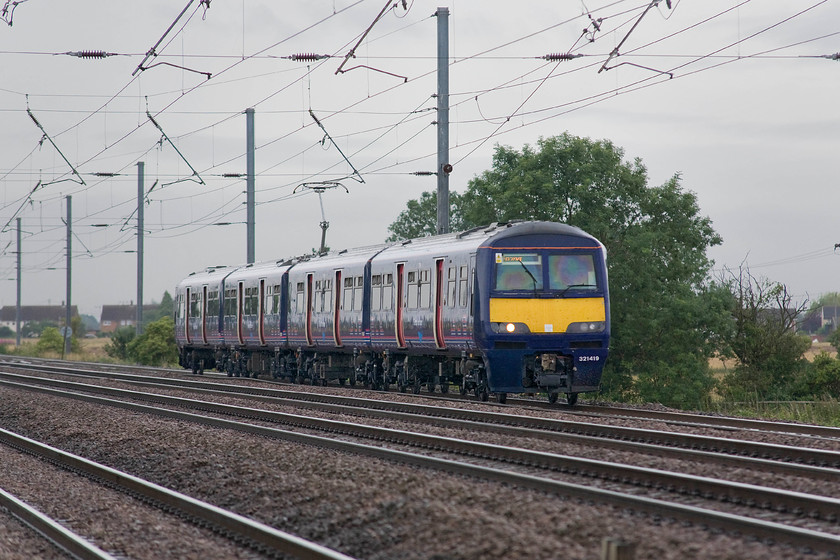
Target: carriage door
<point>261,313</point>
<point>439,284</point>
<point>204,315</point>
<point>187,316</point>
<point>309,303</point>
<point>398,305</point>
<point>240,300</point>
<point>337,308</point>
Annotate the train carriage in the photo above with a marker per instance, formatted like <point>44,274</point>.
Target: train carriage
<point>519,307</point>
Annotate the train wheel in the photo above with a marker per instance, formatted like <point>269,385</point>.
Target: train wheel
<point>201,367</point>
<point>571,398</point>
<point>415,388</point>
<point>484,395</point>
<point>444,387</point>
<point>462,388</point>
<point>552,397</point>
<point>502,398</point>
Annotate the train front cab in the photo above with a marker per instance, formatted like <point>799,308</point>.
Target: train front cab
<point>544,312</point>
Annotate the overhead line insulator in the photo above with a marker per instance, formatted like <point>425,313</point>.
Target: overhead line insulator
<point>561,56</point>
<point>90,54</point>
<point>307,57</point>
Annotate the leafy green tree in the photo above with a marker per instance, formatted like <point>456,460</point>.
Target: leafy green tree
<point>90,322</point>
<point>666,318</point>
<point>78,327</point>
<point>35,328</point>
<point>164,309</point>
<point>769,352</point>
<point>118,347</point>
<point>419,219</point>
<point>834,339</point>
<point>6,332</point>
<point>156,346</point>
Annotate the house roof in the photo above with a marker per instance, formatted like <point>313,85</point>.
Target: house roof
<point>29,313</point>
<point>122,312</point>
<point>118,313</point>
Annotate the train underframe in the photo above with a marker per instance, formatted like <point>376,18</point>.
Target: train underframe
<point>548,372</point>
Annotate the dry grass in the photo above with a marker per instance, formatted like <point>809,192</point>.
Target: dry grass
<point>723,366</point>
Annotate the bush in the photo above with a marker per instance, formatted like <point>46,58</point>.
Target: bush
<point>118,347</point>
<point>156,346</point>
<point>50,341</point>
<point>822,379</point>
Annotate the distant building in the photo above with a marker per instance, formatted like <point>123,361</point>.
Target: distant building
<point>830,315</point>
<point>116,316</point>
<point>35,314</point>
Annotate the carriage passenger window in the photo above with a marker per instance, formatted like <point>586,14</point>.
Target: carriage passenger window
<point>412,291</point>
<point>213,304</point>
<point>450,286</point>
<point>195,305</point>
<point>275,300</point>
<point>463,288</point>
<point>299,305</point>
<point>388,292</point>
<point>357,294</point>
<point>327,295</point>
<point>347,301</point>
<point>376,292</point>
<point>230,302</point>
<point>571,271</point>
<point>425,289</point>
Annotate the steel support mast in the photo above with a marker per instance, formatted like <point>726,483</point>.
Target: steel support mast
<point>141,203</point>
<point>250,188</point>
<point>443,167</point>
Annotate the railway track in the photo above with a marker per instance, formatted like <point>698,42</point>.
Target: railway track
<point>686,445</point>
<point>799,504</point>
<point>70,543</point>
<point>234,526</point>
<point>536,403</point>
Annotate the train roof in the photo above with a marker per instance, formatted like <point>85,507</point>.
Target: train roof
<point>484,236</point>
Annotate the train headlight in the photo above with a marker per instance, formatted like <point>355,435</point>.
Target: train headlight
<point>509,328</point>
<point>587,327</point>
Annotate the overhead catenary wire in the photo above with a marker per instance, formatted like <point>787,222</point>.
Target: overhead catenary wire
<point>543,109</point>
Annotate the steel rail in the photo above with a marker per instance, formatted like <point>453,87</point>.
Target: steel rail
<point>737,461</point>
<point>687,418</point>
<point>73,544</point>
<point>782,500</point>
<point>709,420</point>
<point>660,509</point>
<point>793,454</point>
<point>249,529</point>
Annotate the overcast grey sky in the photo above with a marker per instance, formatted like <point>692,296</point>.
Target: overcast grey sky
<point>750,120</point>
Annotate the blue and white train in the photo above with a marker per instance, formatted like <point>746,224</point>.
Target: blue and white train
<point>518,307</point>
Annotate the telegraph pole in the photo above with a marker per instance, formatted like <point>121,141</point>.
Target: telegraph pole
<point>68,331</point>
<point>17,308</point>
<point>250,201</point>
<point>141,167</point>
<point>443,167</point>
